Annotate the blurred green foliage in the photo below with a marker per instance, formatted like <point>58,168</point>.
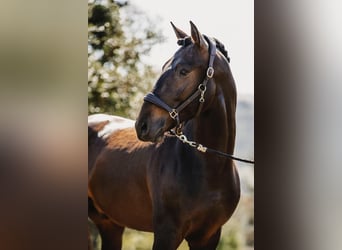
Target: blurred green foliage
<point>119,35</point>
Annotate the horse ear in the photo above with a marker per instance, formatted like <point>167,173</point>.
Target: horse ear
<point>179,33</point>
<point>197,37</point>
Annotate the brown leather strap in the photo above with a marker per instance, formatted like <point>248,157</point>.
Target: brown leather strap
<point>174,112</point>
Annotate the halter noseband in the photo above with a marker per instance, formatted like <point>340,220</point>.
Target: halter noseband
<point>201,89</point>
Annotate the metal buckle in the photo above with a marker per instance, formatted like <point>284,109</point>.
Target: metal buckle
<point>202,87</point>
<point>173,114</point>
<point>210,72</point>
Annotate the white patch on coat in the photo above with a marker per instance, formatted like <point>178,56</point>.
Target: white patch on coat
<point>115,123</point>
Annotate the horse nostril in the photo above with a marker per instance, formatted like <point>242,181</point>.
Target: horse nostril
<point>143,128</point>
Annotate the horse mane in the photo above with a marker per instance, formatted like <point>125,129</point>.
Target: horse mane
<point>220,46</point>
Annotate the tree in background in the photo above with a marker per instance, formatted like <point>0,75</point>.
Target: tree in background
<point>119,36</point>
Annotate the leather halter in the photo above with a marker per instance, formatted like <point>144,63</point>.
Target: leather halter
<point>202,87</point>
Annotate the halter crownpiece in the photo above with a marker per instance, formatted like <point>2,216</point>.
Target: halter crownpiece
<point>201,89</point>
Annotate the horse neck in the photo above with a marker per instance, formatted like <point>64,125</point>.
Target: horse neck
<point>215,127</point>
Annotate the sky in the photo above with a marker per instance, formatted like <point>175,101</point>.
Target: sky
<point>232,22</point>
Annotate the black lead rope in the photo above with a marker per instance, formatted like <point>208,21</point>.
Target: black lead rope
<point>204,149</point>
<point>229,156</point>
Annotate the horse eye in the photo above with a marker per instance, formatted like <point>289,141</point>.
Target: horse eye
<point>183,72</point>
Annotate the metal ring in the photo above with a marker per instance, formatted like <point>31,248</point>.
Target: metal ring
<point>210,72</point>
<point>202,87</point>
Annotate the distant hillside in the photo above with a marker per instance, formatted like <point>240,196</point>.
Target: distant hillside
<point>244,145</point>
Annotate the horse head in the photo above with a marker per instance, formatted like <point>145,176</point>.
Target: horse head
<point>181,92</point>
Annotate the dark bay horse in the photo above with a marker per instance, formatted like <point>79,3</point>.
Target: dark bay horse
<point>158,183</point>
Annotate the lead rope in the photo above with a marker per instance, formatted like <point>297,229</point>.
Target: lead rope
<point>204,149</point>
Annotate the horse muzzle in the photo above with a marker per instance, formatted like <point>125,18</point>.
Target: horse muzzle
<point>148,130</point>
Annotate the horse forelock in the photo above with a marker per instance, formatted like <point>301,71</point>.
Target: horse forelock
<point>184,42</point>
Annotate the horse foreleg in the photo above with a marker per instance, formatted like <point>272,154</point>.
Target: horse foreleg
<point>167,235</point>
<point>201,243</point>
<point>166,240</point>
<point>111,235</point>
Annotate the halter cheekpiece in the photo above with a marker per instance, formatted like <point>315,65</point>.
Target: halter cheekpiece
<point>200,91</point>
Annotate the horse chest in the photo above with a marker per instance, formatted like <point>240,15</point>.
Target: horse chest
<point>210,211</point>
<point>204,199</point>
<point>193,196</point>
<point>212,202</point>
